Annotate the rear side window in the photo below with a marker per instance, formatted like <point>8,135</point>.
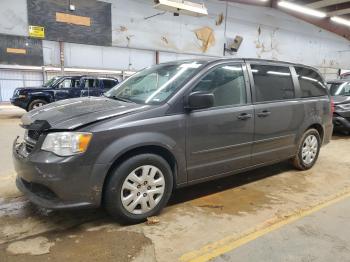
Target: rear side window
<point>311,83</point>
<point>226,83</point>
<point>272,83</point>
<point>108,83</point>
<point>90,83</point>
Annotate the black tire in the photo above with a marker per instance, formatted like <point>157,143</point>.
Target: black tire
<point>112,192</point>
<point>298,160</point>
<point>346,132</point>
<point>35,103</point>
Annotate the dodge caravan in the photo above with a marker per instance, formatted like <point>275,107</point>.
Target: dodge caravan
<point>168,126</point>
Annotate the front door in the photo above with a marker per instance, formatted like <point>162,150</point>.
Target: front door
<point>278,114</point>
<point>219,139</point>
<point>63,90</point>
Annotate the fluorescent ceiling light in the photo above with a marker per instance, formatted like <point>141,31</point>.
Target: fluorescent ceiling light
<point>340,20</point>
<point>302,9</point>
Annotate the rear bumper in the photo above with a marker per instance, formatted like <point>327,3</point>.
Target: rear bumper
<point>55,182</point>
<point>327,134</point>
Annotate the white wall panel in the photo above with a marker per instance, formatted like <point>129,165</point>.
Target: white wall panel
<point>51,53</point>
<point>11,79</point>
<point>281,36</point>
<point>268,33</point>
<point>132,27</point>
<point>13,17</point>
<point>116,58</point>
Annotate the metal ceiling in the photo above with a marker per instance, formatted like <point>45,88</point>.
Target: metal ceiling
<point>340,8</point>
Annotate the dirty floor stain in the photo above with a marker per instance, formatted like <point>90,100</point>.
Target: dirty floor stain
<point>33,246</point>
<point>81,246</point>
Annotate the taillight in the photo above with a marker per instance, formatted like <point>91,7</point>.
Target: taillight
<point>332,105</point>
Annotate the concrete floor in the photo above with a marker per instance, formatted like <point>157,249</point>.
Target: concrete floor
<point>199,219</point>
<point>322,236</point>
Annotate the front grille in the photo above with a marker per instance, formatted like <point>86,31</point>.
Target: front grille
<point>34,134</point>
<point>31,137</point>
<point>29,147</point>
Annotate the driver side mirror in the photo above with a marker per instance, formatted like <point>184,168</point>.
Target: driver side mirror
<point>199,100</point>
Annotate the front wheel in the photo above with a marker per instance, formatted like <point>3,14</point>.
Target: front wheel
<point>139,188</point>
<point>36,104</point>
<point>308,150</point>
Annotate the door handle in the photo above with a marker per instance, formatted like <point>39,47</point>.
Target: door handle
<point>264,113</point>
<point>244,116</point>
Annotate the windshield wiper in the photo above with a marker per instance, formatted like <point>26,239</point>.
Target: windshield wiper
<point>121,99</point>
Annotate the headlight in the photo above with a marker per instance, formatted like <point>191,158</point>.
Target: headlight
<point>67,143</point>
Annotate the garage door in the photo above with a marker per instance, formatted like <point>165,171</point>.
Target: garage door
<point>11,79</point>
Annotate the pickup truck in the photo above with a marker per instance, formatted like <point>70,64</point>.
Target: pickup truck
<point>59,88</point>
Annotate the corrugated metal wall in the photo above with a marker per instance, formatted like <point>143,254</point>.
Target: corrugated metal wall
<point>11,79</point>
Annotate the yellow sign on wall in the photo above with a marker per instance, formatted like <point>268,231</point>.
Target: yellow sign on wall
<point>36,31</point>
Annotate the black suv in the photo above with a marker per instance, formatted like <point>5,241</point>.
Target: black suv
<point>59,88</point>
<point>340,91</point>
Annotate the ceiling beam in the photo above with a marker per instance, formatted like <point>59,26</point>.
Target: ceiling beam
<point>339,12</point>
<point>324,3</point>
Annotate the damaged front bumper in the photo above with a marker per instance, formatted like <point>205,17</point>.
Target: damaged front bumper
<point>54,182</point>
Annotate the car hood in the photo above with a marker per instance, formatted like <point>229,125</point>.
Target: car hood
<point>31,87</point>
<point>73,113</point>
<point>341,99</point>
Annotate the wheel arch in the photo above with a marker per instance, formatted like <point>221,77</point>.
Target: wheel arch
<point>319,129</point>
<point>38,97</point>
<point>144,149</point>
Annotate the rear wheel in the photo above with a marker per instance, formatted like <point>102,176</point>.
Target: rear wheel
<point>308,150</point>
<point>36,103</point>
<point>139,188</point>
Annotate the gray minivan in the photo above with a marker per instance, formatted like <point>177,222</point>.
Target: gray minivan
<point>168,126</point>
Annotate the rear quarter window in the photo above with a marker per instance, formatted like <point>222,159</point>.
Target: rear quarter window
<point>272,83</point>
<point>311,83</point>
<point>109,83</point>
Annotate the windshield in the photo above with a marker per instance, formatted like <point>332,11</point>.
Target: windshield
<point>339,89</point>
<point>50,82</point>
<point>155,84</point>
